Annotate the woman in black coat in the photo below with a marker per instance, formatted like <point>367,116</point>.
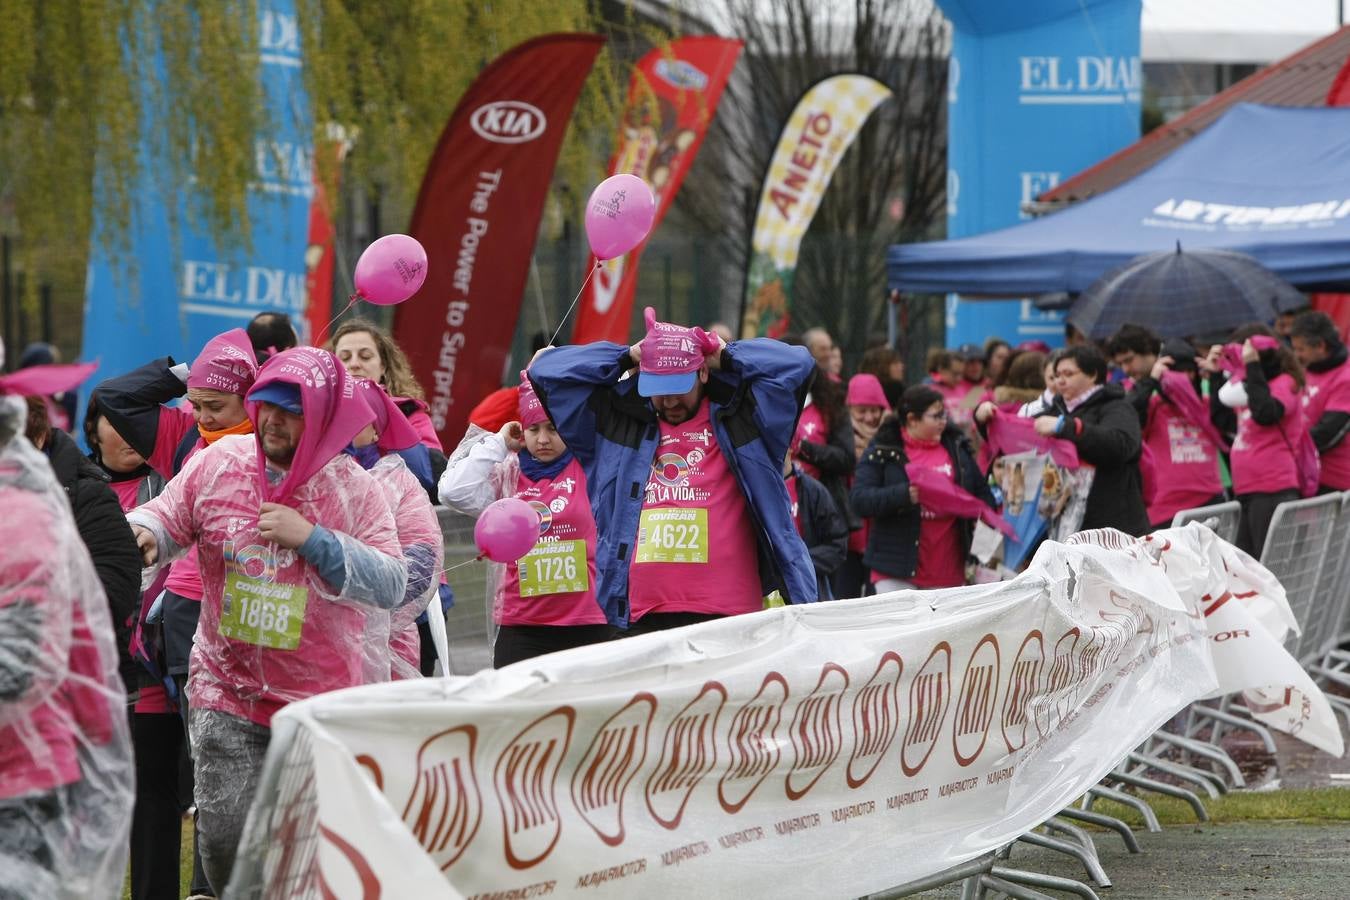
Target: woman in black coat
<point>918,432</point>
<point>1100,422</point>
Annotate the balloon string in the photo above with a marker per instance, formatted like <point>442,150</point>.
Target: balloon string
<point>323,332</point>
<point>468,562</point>
<point>594,269</point>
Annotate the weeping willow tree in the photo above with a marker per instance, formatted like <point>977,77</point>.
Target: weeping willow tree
<point>95,94</point>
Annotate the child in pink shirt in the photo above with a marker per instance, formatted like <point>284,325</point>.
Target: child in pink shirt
<point>546,600</point>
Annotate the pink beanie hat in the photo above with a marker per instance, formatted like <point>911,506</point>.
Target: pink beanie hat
<point>865,390</point>
<point>227,363</point>
<point>531,411</point>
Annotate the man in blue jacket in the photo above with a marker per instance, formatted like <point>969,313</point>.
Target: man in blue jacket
<point>684,470</point>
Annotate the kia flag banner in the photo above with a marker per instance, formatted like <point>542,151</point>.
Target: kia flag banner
<point>820,130</point>
<point>477,215</point>
<point>842,748</point>
<point>672,98</point>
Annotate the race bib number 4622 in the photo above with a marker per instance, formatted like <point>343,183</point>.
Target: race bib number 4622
<point>673,536</point>
<point>262,613</point>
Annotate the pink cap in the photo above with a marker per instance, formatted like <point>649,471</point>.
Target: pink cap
<point>1263,342</point>
<point>671,355</point>
<point>395,433</point>
<point>865,390</point>
<point>226,364</point>
<point>530,409</point>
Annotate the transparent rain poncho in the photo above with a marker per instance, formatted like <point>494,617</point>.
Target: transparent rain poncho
<point>419,533</point>
<point>65,751</point>
<point>275,626</point>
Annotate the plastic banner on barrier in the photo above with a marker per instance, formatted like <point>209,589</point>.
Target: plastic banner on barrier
<point>1248,617</point>
<point>869,741</point>
<point>815,138</point>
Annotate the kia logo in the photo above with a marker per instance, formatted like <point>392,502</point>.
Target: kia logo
<point>1023,680</point>
<point>876,719</point>
<point>975,705</point>
<point>616,753</point>
<point>688,752</point>
<point>445,807</point>
<point>929,697</point>
<point>817,736</point>
<point>508,122</point>
<point>753,743</point>
<point>525,777</point>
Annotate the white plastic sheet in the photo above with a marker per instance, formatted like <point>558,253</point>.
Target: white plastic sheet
<point>841,748</point>
<point>65,750</point>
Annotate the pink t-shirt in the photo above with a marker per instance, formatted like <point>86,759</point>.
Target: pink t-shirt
<point>1263,455</point>
<point>1185,462</point>
<point>960,401</point>
<point>1330,392</point>
<point>940,562</point>
<point>554,584</point>
<point>810,427</point>
<point>152,698</point>
<point>695,549</point>
<point>175,422</point>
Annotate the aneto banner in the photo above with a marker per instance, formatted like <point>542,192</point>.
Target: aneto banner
<point>477,215</point>
<point>815,138</point>
<point>847,747</point>
<point>672,99</point>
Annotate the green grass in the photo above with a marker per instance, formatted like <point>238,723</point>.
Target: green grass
<point>1322,805</point>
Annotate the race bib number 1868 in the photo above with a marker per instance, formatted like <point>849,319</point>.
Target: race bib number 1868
<point>262,613</point>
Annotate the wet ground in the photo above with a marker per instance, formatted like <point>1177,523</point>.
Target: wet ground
<point>1254,860</point>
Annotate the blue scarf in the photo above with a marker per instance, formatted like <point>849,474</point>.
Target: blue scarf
<point>535,470</point>
<point>367,456</point>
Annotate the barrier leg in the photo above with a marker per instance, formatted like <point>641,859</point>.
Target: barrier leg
<point>1087,857</point>
<point>1145,811</point>
<point>1208,782</point>
<point>1149,784</point>
<point>1208,751</point>
<point>1239,722</point>
<point>966,872</point>
<point>1102,821</point>
<point>1009,889</point>
<point>1036,879</point>
<point>1072,831</point>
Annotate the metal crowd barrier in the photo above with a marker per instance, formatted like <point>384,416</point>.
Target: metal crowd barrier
<point>1221,518</point>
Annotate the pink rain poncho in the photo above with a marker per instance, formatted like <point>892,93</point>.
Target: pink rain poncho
<point>65,751</point>
<point>274,627</point>
<point>419,532</point>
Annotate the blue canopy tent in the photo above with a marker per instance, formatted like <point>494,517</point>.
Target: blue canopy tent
<point>1272,182</point>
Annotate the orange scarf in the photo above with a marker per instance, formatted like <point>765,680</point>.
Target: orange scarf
<point>244,427</point>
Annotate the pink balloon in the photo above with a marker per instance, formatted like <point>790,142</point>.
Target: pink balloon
<point>391,270</point>
<point>506,530</point>
<point>619,215</point>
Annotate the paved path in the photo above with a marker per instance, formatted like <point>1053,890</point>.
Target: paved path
<point>1247,860</point>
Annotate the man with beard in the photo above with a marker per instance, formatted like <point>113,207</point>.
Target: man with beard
<point>295,544</point>
<point>683,465</point>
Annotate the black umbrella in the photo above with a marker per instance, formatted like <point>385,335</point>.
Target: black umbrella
<point>1176,294</point>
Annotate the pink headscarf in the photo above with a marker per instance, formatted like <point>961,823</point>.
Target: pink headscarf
<point>227,363</point>
<point>390,422</point>
<point>527,404</point>
<point>333,414</point>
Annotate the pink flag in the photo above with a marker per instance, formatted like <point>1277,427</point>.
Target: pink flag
<point>1178,389</point>
<point>40,381</point>
<point>1015,434</point>
<point>940,495</point>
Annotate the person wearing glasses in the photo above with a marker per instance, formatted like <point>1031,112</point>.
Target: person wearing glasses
<point>911,545</point>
